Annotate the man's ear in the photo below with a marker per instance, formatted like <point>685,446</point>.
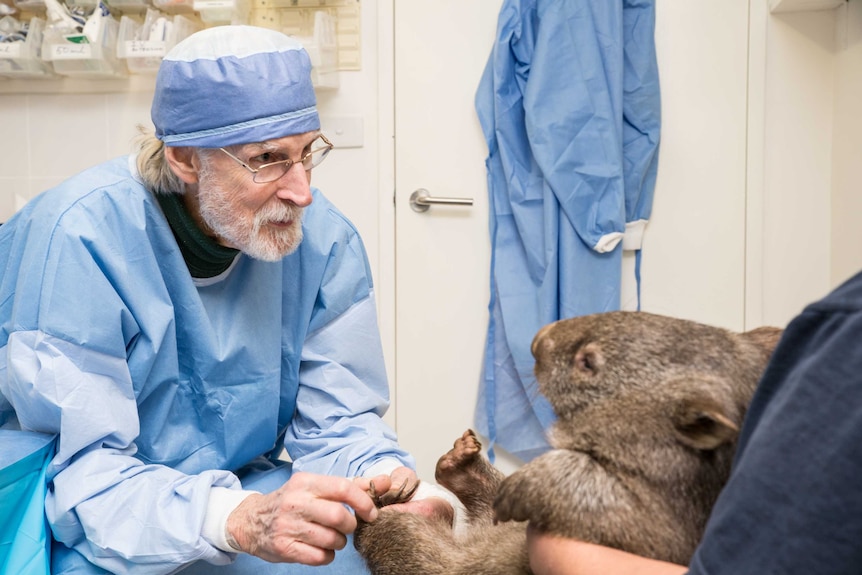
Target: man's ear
<point>703,421</point>
<point>183,162</point>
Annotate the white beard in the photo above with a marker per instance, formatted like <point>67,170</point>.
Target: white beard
<point>248,232</point>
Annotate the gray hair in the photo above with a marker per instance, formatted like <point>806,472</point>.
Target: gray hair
<point>153,166</point>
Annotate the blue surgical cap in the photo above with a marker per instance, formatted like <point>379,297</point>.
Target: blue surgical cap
<point>233,85</point>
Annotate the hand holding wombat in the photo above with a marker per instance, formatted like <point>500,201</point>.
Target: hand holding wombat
<point>648,408</point>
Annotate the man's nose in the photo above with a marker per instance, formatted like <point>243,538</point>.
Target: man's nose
<point>295,186</point>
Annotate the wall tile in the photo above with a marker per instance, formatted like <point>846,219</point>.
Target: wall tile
<point>38,185</point>
<point>13,147</point>
<point>13,195</point>
<point>125,112</point>
<point>67,133</point>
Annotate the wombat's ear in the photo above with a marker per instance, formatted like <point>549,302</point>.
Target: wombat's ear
<point>703,423</point>
<point>589,358</point>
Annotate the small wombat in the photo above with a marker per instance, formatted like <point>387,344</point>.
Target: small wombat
<point>649,408</point>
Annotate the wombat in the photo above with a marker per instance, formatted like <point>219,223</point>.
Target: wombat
<point>648,412</point>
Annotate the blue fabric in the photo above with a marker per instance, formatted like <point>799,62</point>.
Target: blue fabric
<point>793,504</point>
<point>160,386</point>
<point>25,542</point>
<point>202,96</point>
<point>570,108</point>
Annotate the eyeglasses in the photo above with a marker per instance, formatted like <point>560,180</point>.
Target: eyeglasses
<point>265,170</point>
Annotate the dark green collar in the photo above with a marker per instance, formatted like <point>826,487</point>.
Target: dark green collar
<point>204,257</point>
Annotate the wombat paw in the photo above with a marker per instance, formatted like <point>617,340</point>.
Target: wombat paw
<point>468,474</point>
<point>513,501</point>
<point>466,449</point>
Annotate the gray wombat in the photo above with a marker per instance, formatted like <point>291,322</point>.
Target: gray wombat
<point>649,409</point>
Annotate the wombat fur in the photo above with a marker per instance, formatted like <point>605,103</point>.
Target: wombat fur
<point>649,409</point>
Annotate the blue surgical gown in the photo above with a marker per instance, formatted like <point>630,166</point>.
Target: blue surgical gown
<point>162,386</point>
<point>569,105</point>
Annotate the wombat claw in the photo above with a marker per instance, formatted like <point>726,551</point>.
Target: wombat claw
<point>392,497</point>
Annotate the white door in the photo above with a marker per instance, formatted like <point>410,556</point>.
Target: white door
<point>694,247</point>
<point>442,254</point>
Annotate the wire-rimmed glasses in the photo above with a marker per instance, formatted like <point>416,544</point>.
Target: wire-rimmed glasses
<point>264,172</point>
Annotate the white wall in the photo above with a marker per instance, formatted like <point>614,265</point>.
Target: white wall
<point>49,137</point>
<point>847,146</point>
<point>759,165</point>
<point>699,209</point>
<point>809,232</point>
<point>797,202</point>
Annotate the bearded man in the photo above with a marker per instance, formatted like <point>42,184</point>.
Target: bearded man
<point>183,318</point>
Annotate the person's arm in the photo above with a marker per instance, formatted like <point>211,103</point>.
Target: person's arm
<point>551,555</point>
<point>337,427</point>
<point>304,521</point>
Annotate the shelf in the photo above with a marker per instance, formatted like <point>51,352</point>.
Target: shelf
<point>776,6</point>
<point>336,50</point>
<point>70,85</point>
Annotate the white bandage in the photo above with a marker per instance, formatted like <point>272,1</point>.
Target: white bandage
<point>221,504</point>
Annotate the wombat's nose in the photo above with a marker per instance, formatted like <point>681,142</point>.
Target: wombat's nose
<point>539,336</point>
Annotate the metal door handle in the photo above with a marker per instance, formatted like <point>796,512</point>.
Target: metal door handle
<point>421,200</point>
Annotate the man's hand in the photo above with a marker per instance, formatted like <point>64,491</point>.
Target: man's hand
<point>305,520</point>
